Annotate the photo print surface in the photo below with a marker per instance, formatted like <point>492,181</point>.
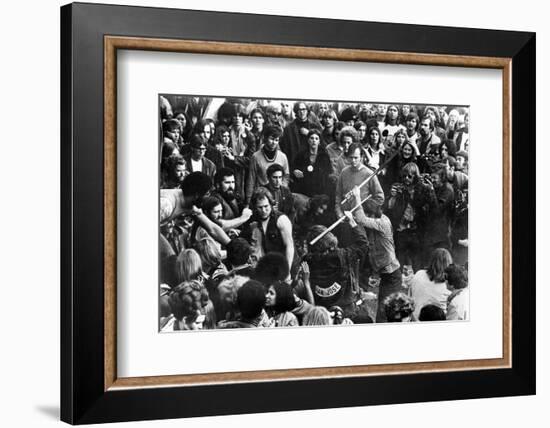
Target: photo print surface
<point>296,213</point>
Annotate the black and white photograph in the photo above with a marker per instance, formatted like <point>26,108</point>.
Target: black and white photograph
<point>296,213</point>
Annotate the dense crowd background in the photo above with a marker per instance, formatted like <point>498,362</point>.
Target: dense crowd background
<point>251,190</point>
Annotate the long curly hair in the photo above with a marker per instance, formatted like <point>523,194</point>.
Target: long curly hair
<point>187,300</point>
<point>398,306</point>
<point>284,297</point>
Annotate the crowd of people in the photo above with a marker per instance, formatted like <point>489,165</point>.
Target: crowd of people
<point>296,213</point>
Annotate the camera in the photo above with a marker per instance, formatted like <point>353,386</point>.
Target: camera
<point>399,187</point>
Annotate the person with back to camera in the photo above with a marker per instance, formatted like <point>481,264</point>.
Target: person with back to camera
<point>428,286</point>
<point>187,303</point>
<point>459,300</point>
<point>398,307</point>
<point>381,249</point>
<point>332,269</point>
<point>250,304</point>
<point>431,312</point>
<point>318,315</point>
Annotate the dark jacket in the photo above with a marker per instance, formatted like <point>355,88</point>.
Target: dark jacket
<point>208,166</point>
<point>231,209</point>
<point>284,200</point>
<point>422,201</point>
<point>293,142</point>
<point>331,271</point>
<point>316,179</point>
<point>439,219</point>
<point>272,240</point>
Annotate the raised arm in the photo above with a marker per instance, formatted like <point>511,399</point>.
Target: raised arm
<point>212,228</point>
<point>375,189</point>
<point>236,222</point>
<point>305,275</point>
<point>360,242</point>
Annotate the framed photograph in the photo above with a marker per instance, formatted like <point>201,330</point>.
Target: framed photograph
<point>266,213</point>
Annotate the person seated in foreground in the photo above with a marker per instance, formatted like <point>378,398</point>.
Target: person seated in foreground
<point>431,313</point>
<point>398,307</point>
<point>250,304</point>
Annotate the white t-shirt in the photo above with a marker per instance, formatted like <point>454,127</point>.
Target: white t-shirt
<point>426,292</point>
<point>459,307</point>
<point>196,165</point>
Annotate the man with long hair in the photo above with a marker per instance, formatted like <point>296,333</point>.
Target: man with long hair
<point>269,230</point>
<point>408,209</point>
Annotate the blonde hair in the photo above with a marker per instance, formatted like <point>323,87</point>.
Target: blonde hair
<point>318,315</point>
<point>188,265</point>
<point>209,253</point>
<point>228,287</point>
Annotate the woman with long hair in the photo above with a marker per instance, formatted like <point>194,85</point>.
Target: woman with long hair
<point>257,119</point>
<point>429,286</point>
<point>374,149</point>
<point>203,128</point>
<point>406,152</point>
<point>361,128</point>
<point>312,168</point>
<point>279,302</point>
<point>391,122</point>
<point>185,126</point>
<point>453,125</point>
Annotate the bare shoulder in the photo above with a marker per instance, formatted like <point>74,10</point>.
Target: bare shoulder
<point>283,221</point>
